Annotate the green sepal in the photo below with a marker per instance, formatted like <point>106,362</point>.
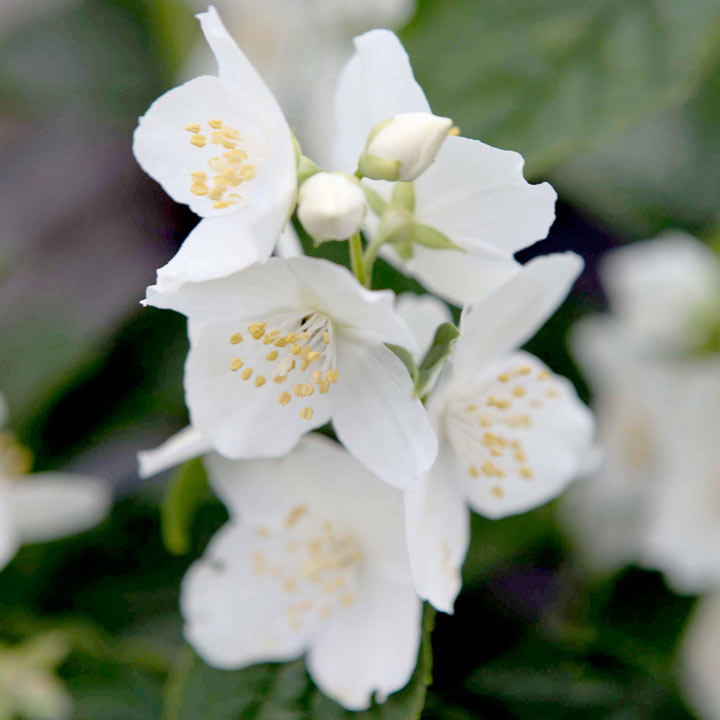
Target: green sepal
<point>404,196</point>
<point>376,168</point>
<point>407,359</point>
<point>296,148</point>
<point>442,345</point>
<point>306,169</point>
<point>432,238</point>
<point>187,488</point>
<point>396,226</point>
<point>377,202</point>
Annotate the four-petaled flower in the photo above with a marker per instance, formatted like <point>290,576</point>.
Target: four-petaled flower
<point>284,346</point>
<point>474,194</point>
<point>511,434</point>
<point>313,560</point>
<point>222,146</point>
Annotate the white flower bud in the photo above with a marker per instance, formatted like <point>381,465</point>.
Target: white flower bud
<point>404,146</point>
<point>331,206</point>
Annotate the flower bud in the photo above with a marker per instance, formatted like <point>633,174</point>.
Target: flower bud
<point>331,206</point>
<point>403,147</point>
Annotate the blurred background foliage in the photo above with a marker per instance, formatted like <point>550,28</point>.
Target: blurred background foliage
<point>616,102</point>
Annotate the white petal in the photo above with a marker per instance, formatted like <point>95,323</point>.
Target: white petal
<point>46,506</point>
<point>522,433</point>
<point>477,196</point>
<point>438,532</point>
<point>288,244</point>
<point>376,415</point>
<point>234,616</point>
<point>700,654</point>
<point>514,312</point>
<point>240,419</point>
<point>372,646</point>
<point>376,84</point>
<point>320,474</point>
<point>9,536</point>
<point>259,291</point>
<point>422,314</point>
<point>163,147</point>
<point>334,290</point>
<point>458,277</point>
<point>217,247</point>
<point>181,447</point>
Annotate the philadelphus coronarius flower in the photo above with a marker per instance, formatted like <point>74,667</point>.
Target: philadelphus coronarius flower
<point>331,206</point>
<point>222,146</point>
<point>42,506</point>
<point>656,379</point>
<point>512,435</point>
<point>403,147</point>
<point>474,198</point>
<point>314,561</point>
<point>284,346</point>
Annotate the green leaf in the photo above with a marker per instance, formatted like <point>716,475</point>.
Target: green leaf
<point>432,238</point>
<point>442,345</point>
<point>283,691</point>
<point>187,488</point>
<point>552,77</point>
<point>407,358</point>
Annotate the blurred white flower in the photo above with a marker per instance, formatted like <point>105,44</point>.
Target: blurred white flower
<point>655,499</point>
<point>29,687</point>
<point>42,506</point>
<point>284,346</point>
<point>423,314</point>
<point>511,434</point>
<point>474,194</point>
<point>222,146</point>
<point>299,46</point>
<point>700,656</point>
<point>404,146</point>
<point>331,206</point>
<point>313,561</point>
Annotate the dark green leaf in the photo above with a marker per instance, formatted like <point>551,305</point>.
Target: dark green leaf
<point>407,359</point>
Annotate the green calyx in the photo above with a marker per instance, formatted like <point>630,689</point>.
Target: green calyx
<point>376,168</point>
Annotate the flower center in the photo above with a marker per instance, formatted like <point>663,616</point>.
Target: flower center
<point>315,562</point>
<point>486,424</point>
<point>228,170</point>
<point>300,346</point>
<point>15,458</point>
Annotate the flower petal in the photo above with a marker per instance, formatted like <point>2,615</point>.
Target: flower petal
<point>376,84</point>
<point>216,247</point>
<point>9,536</point>
<point>288,244</point>
<point>477,196</point>
<point>438,532</point>
<point>376,415</point>
<point>46,506</point>
<point>458,277</point>
<point>181,447</point>
<point>514,312</point>
<point>370,647</point>
<point>235,616</point>
<point>530,436</point>
<point>422,314</point>
<point>239,418</point>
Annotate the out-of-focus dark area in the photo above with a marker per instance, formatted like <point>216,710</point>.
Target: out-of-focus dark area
<point>617,104</point>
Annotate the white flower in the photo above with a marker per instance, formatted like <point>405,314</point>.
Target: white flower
<point>404,146</point>
<point>666,290</point>
<point>331,206</point>
<point>313,561</point>
<point>299,46</point>
<point>511,434</point>
<point>42,506</point>
<point>222,146</point>
<point>700,655</point>
<point>284,346</point>
<point>473,193</point>
<point>655,499</point>
<point>422,314</point>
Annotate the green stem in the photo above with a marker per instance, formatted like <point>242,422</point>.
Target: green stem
<point>356,259</point>
<point>370,256</point>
